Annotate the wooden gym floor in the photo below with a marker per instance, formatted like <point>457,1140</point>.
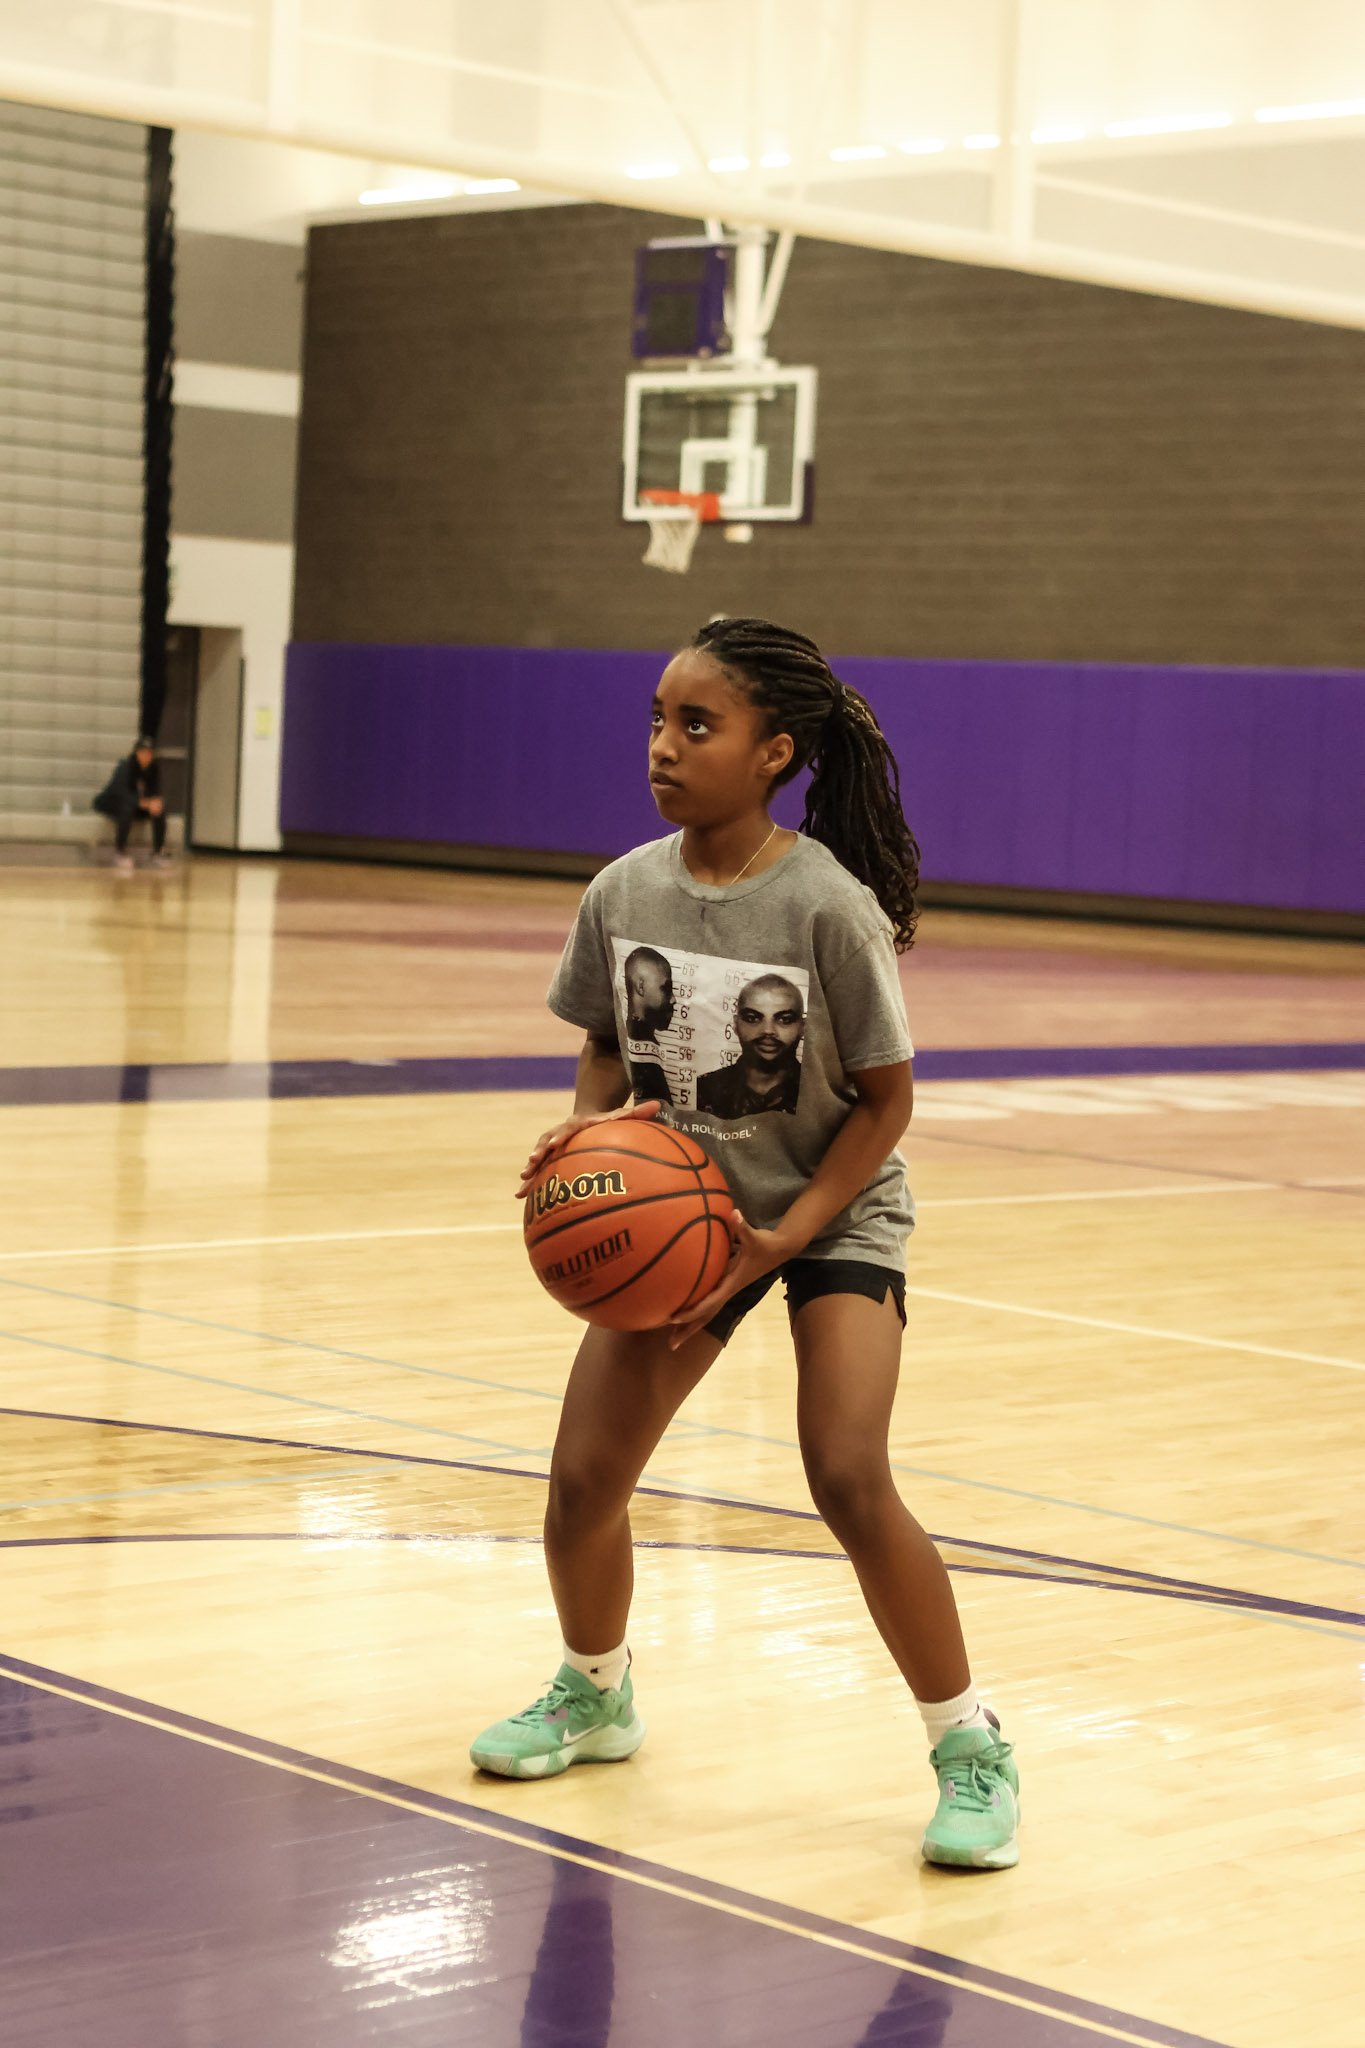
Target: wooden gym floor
<point>278,1396</point>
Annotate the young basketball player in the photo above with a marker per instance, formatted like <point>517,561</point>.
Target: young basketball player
<point>781,952</point>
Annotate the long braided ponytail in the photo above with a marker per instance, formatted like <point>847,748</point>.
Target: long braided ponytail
<point>853,803</point>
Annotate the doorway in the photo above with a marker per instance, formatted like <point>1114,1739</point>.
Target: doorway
<point>215,765</point>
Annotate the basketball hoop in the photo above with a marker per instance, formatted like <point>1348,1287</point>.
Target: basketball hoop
<point>675,519</point>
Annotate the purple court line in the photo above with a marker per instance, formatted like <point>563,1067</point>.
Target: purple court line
<point>1127,1578</point>
<point>289,1080</point>
<point>1017,1063</point>
<point>907,1955</point>
<point>280,1080</point>
<point>1228,1600</point>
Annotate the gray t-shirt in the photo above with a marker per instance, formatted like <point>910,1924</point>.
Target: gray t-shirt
<point>744,1012</point>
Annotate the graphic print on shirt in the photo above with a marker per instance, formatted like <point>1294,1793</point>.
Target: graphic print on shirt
<point>720,1036</point>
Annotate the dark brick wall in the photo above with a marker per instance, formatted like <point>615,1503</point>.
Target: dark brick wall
<point>1006,466</point>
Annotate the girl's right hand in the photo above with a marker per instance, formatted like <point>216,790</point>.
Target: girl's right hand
<point>549,1142</point>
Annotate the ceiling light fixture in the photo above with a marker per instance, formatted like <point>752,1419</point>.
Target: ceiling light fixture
<point>1313,110</point>
<point>981,142</point>
<point>1059,134</point>
<point>406,194</point>
<point>727,163</point>
<point>775,160</point>
<point>476,187</point>
<point>857,153</point>
<point>930,146</point>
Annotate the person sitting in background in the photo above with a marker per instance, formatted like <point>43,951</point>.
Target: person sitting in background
<point>134,791</point>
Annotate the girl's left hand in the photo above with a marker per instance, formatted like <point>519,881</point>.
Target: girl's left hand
<point>752,1254</point>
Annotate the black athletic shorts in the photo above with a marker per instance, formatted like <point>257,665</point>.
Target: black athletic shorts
<point>805,1279</point>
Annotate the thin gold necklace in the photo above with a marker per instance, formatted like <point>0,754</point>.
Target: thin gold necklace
<point>749,862</point>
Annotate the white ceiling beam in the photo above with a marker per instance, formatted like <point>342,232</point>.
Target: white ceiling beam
<point>284,61</point>
<point>81,92</point>
<point>808,114</point>
<point>1197,209</point>
<point>758,24</point>
<point>1006,244</point>
<point>40,87</point>
<point>469,67</point>
<point>653,71</point>
<point>1012,189</point>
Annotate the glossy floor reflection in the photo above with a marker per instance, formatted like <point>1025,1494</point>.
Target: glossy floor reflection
<point>160,1889</point>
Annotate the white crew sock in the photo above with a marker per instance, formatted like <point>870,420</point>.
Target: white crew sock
<point>604,1668</point>
<point>939,1716</point>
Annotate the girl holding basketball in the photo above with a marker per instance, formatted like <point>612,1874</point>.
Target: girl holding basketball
<point>792,937</point>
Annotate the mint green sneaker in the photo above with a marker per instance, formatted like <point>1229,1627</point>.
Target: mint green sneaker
<point>978,1801</point>
<point>573,1723</point>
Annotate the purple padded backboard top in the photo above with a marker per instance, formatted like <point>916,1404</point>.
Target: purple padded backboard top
<point>680,287</point>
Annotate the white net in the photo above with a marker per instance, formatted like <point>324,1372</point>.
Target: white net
<point>672,537</point>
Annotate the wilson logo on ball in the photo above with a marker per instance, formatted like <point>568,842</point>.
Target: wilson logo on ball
<point>554,1193</point>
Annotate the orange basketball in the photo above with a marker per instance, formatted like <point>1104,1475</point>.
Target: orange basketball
<point>628,1224</point>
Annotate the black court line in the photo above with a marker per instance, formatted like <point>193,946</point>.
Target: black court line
<point>1004,1560</point>
<point>1227,1602</point>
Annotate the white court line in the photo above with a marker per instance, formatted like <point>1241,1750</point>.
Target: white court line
<point>1056,1315</point>
<point>228,1244</point>
<point>1210,1187</point>
<point>222,1244</point>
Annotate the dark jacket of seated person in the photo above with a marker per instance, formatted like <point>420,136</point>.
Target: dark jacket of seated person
<point>132,790</point>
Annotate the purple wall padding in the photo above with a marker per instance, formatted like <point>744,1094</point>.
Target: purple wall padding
<point>1208,785</point>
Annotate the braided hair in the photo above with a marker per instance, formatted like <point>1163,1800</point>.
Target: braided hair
<point>853,803</point>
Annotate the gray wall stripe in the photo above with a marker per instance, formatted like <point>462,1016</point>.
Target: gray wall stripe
<point>234,474</point>
<point>238,301</point>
